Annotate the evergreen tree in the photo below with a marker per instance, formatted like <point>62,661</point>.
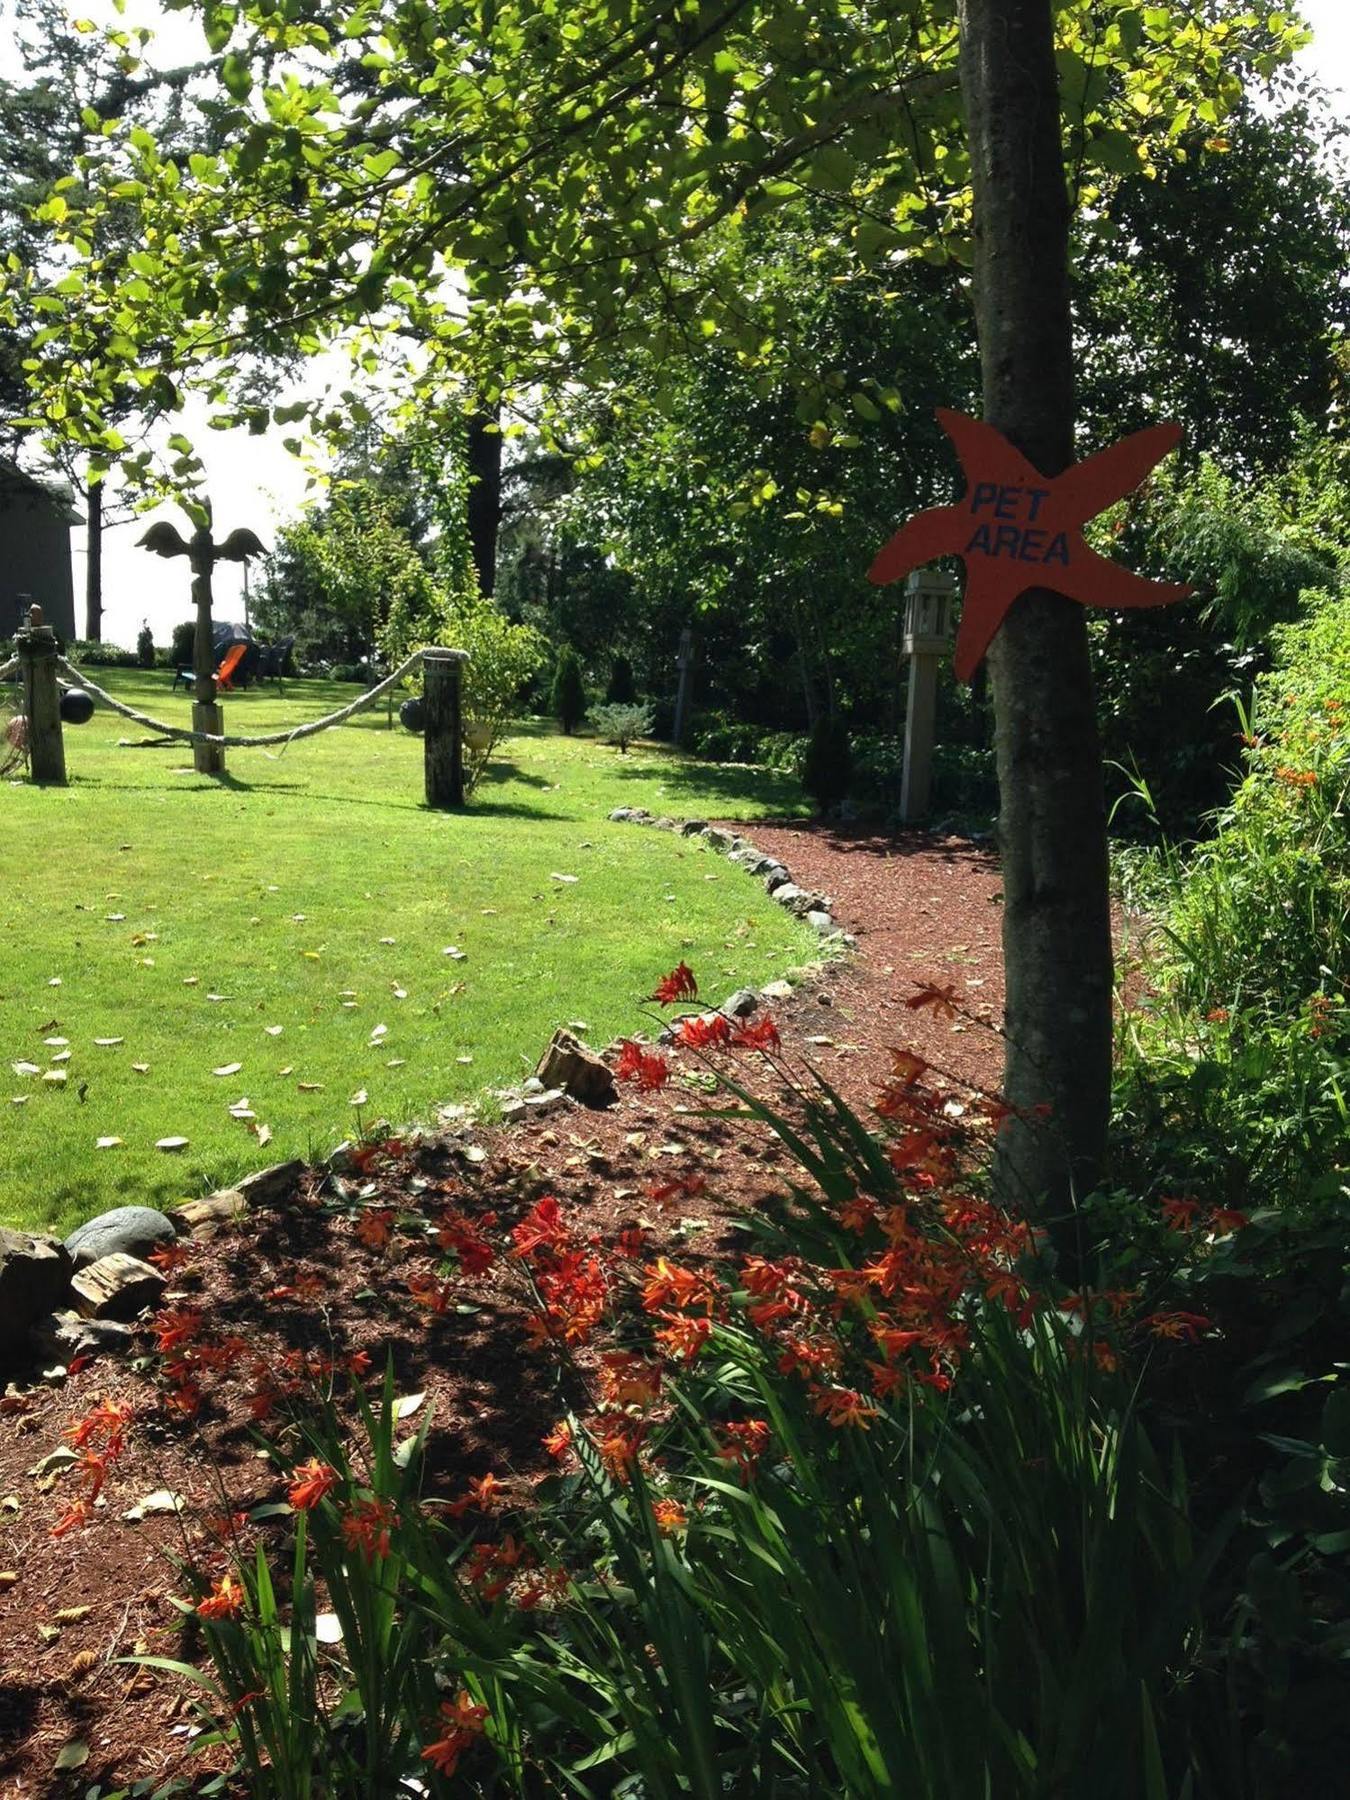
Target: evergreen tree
<point>569,690</point>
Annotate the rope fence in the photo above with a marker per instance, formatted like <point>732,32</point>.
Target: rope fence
<point>227,741</point>
<point>10,669</point>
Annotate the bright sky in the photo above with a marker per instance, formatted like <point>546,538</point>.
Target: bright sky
<point>254,481</point>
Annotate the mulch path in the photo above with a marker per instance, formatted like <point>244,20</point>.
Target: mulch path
<point>923,909</point>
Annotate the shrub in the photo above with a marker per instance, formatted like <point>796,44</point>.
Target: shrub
<point>184,637</point>
<point>621,690</point>
<point>568,695</point>
<point>621,724</point>
<point>827,770</point>
<point>145,648</point>
<point>94,655</point>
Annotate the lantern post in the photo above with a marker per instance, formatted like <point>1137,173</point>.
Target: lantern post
<point>36,646</point>
<point>930,599</point>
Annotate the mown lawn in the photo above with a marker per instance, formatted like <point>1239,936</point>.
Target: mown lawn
<point>295,921</point>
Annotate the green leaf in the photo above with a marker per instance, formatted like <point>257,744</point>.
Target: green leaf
<point>237,75</point>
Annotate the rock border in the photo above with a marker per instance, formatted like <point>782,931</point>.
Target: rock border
<point>806,903</point>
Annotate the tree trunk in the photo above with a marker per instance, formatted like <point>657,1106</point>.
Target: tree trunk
<point>1052,822</point>
<point>485,494</point>
<point>93,562</point>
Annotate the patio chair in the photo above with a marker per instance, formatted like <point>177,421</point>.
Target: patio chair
<point>224,669</point>
<point>273,660</point>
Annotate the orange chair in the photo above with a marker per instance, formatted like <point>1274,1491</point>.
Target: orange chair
<point>228,664</point>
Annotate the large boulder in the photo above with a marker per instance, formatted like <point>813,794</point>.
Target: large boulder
<point>34,1279</point>
<point>128,1230</point>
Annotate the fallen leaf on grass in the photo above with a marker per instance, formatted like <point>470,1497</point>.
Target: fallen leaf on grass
<point>274,1030</point>
<point>407,1405</point>
<point>395,1062</point>
<point>74,1756</point>
<point>263,1133</point>
<point>218,997</point>
<point>228,1069</point>
<point>172,1143</point>
<point>113,918</point>
<point>62,1056</point>
<point>25,1068</point>
<point>388,940</point>
<point>56,1043</point>
<point>57,1077</point>
<point>400,993</point>
<point>18,1099</point>
<point>310,1087</point>
<point>107,1143</point>
<point>359,1098</point>
<point>53,981</point>
<point>107,1043</point>
<point>455,953</point>
<point>141,1068</point>
<point>191,980</point>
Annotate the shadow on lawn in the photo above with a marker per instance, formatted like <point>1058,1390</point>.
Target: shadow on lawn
<point>719,786</point>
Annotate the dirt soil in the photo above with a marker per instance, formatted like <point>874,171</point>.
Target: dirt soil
<point>923,909</point>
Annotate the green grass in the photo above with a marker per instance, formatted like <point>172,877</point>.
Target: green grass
<point>141,891</point>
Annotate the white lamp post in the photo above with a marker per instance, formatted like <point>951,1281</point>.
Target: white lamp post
<point>929,631</point>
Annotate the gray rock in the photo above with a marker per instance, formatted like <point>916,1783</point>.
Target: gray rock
<point>627,815</point>
<point>822,922</point>
<point>134,1230</point>
<point>205,1217</point>
<point>664,823</point>
<point>741,1004</point>
<point>532,1085</point>
<point>776,991</point>
<point>775,877</point>
<point>692,827</point>
<point>116,1287</point>
<point>34,1278</point>
<point>717,839</point>
<point>65,1334</point>
<point>800,900</point>
<point>513,1111</point>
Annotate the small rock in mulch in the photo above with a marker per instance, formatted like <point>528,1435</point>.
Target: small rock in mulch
<point>204,1217</point>
<point>568,1064</point>
<point>116,1287</point>
<point>34,1276</point>
<point>741,1004</point>
<point>132,1230</point>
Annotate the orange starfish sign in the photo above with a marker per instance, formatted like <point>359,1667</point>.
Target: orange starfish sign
<point>1017,529</point>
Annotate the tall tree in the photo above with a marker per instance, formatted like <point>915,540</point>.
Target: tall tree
<point>1052,817</point>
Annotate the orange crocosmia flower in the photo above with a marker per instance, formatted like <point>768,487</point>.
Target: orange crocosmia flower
<point>108,1416</point>
<point>310,1482</point>
<point>744,1443</point>
<point>858,1213</point>
<point>646,1067</point>
<point>943,1000</point>
<point>76,1516</point>
<point>763,1034</point>
<point>628,1380</point>
<point>185,1398</point>
<point>367,1526</point>
<point>1217,1015</point>
<point>481,1494</point>
<point>618,1442</point>
<point>1184,1327</point>
<point>678,985</point>
<point>170,1257</point>
<point>464,1723</point>
<point>669,1517</point>
<point>1180,1215</point>
<point>174,1328</point>
<point>427,1291</point>
<point>225,1600</point>
<point>886,1379</point>
<point>806,1359</point>
<point>375,1227</point>
<point>842,1407</point>
<point>906,1067</point>
<point>559,1440</point>
<point>308,1286</point>
<point>669,1285</point>
<point>894,1340</point>
<point>1227,1218</point>
<point>1105,1356</point>
<point>704,1031</point>
<point>541,1228</point>
<point>678,1186</point>
<point>683,1337</point>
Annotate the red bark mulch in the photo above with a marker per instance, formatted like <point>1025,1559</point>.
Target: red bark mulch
<point>924,910</point>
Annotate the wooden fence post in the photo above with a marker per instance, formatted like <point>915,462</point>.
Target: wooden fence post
<point>442,727</point>
<point>36,647</point>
